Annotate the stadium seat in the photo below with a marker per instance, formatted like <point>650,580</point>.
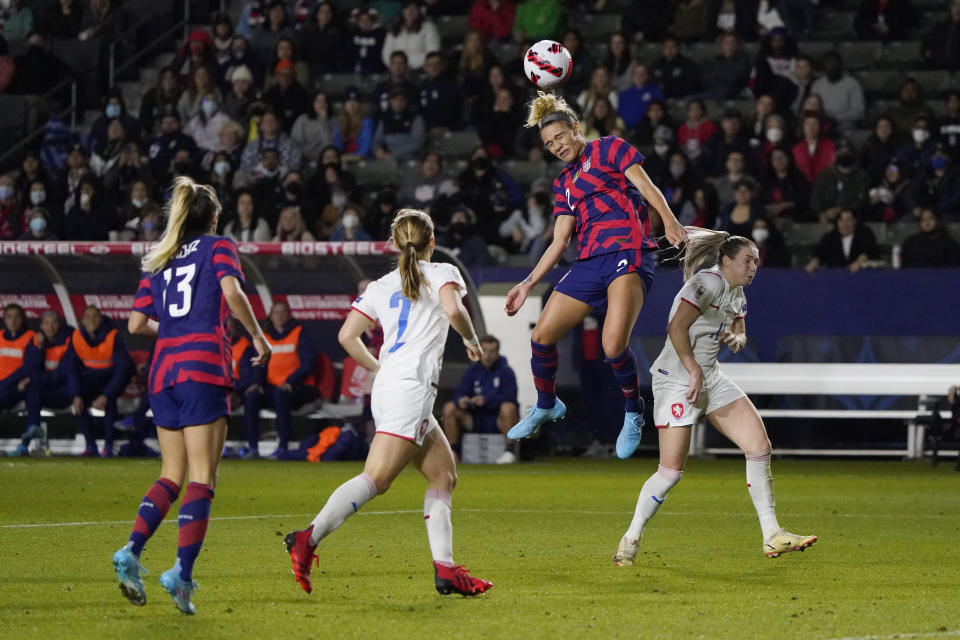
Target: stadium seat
<point>897,233</point>
<point>859,137</point>
<point>834,25</point>
<point>880,84</point>
<point>453,144</point>
<point>525,172</point>
<point>901,54</point>
<point>816,49</point>
<point>807,233</point>
<point>701,52</point>
<point>452,27</point>
<point>599,25</point>
<point>860,55</point>
<point>453,168</point>
<point>879,231</point>
<point>377,172</point>
<point>934,82</point>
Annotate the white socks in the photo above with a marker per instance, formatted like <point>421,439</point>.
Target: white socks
<point>652,495</point>
<point>436,515</point>
<point>760,486</point>
<point>342,503</point>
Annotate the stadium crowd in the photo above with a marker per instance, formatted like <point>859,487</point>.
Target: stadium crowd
<point>752,143</point>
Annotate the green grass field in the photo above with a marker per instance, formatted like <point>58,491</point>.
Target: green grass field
<point>544,533</point>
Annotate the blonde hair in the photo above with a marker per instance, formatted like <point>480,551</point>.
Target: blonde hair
<point>410,233</point>
<point>548,104</point>
<point>191,210</point>
<point>705,248</point>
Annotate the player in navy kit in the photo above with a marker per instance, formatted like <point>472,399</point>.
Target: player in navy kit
<point>191,281</point>
<point>602,195</point>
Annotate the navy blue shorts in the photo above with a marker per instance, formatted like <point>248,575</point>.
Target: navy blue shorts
<point>587,280</point>
<point>187,404</point>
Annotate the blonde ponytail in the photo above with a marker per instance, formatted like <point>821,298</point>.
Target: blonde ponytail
<point>548,107</point>
<point>192,208</point>
<point>410,233</point>
<point>704,248</point>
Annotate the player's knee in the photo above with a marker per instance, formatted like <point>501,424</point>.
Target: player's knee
<point>381,484</point>
<point>449,410</point>
<point>759,450</point>
<point>450,479</point>
<point>614,345</point>
<point>541,335</point>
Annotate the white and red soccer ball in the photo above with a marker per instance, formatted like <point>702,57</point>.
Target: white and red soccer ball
<point>547,64</point>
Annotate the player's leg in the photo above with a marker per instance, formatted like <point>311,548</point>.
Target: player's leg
<point>252,403</point>
<point>436,462</point>
<point>455,422</point>
<point>674,445</point>
<point>109,417</point>
<point>739,422</point>
<point>507,416</point>
<point>625,297</point>
<point>561,314</point>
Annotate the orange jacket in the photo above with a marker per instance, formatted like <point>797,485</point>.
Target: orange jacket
<point>53,356</point>
<point>237,351</point>
<point>12,352</point>
<point>286,358</point>
<point>98,357</point>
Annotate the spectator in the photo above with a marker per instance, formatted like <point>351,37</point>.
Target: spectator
<point>738,218</point>
<point>380,212</point>
<point>114,109</point>
<point>583,63</point>
<point>133,210</point>
<point>19,357</point>
<point>485,401</point>
<point>37,199</point>
<point>650,22</point>
<point>349,229</point>
<point>675,73</point>
<point>222,46</point>
<point>602,120</point>
<point>151,225</point>
<point>727,76</point>
<point>102,21</point>
<point>910,104</point>
<point>130,168</point>
<point>932,247</point>
<point>38,70</point>
<point>879,148</point>
<point>770,244</point>
<point>424,191</point>
<point>600,87</point>
<point>717,148</point>
<point>252,16</point>
<point>736,166</point>
<point>489,193</point>
<point>849,245</point>
<point>107,154</point>
<point>840,92</point>
<point>244,373</point>
<point>730,17</point>
<point>230,136</point>
<point>799,16</point>
<point>323,43</point>
<point>884,19</point>
<point>657,164</point>
<point>523,227</point>
<point>842,186</point>
<point>398,78</point>
<point>498,131</point>
<point>656,117</point>
<point>158,100</point>
<point>412,33</point>
<point>183,163</point>
<point>689,20</point>
<point>888,199</point>
<point>88,218</point>
<point>31,171</point>
<point>940,48</point>
<point>367,39</point>
<point>165,145</point>
<point>937,188</point>
<point>813,153</point>
<point>482,109</point>
<point>10,227</point>
<point>98,368</point>
<point>948,126</point>
<point>220,176</point>
<point>247,226</point>
<point>205,127</point>
<point>538,19</point>
<point>242,93</point>
<point>7,66</point>
<point>17,21</point>
<point>694,133</point>
<point>619,62</point>
<point>244,56</point>
<point>62,19</point>
<point>291,228</point>
<point>353,131</point>
<point>773,68</point>
<point>48,380</point>
<point>288,381</point>
<point>803,78</point>
<point>635,100</point>
<point>784,192</point>
<point>264,181</point>
<point>77,167</point>
<point>287,98</point>
<point>913,157</point>
<point>473,65</point>
<point>461,239</point>
<point>755,126</point>
<point>196,53</point>
<point>38,227</point>
<point>276,26</point>
<point>284,49</point>
<point>271,136</point>
<point>291,193</point>
<point>702,209</point>
<point>439,102</point>
<point>311,132</point>
<point>813,104</point>
<point>400,133</point>
<point>773,138</point>
<point>493,19</point>
<point>332,186</point>
<point>680,182</point>
<point>201,84</point>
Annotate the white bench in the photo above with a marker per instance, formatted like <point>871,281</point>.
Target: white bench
<point>919,380</point>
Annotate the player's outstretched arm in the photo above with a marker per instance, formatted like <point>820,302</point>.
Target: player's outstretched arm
<point>141,324</point>
<point>672,229</point>
<point>354,327</point>
<point>238,303</point>
<point>563,230</point>
<point>679,332</point>
<point>453,307</point>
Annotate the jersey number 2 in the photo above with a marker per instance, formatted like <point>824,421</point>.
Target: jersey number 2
<point>399,300</point>
<point>184,277</point>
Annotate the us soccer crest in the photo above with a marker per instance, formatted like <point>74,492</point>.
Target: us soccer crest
<point>677,410</point>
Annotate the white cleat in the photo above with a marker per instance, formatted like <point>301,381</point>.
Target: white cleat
<point>626,552</point>
<point>784,542</point>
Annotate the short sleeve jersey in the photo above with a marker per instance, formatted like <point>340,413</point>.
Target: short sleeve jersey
<point>611,214</point>
<point>719,307</point>
<point>414,333</point>
<point>189,306</point>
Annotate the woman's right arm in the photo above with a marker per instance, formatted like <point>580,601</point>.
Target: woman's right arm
<point>452,305</point>
<point>238,303</point>
<point>563,230</point>
<point>679,332</point>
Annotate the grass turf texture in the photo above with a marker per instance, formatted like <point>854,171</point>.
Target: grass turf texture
<point>544,533</point>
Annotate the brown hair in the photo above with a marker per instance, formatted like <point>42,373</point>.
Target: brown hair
<point>706,248</point>
<point>410,233</point>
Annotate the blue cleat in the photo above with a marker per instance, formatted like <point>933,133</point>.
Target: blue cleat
<point>128,570</point>
<point>179,590</point>
<point>629,438</point>
<point>536,418</point>
<point>20,451</point>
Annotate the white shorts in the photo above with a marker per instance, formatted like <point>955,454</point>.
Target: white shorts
<point>404,409</point>
<point>672,409</point>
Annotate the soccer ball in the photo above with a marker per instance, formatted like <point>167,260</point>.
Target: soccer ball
<point>547,64</point>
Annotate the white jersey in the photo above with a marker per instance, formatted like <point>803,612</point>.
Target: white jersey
<point>414,333</point>
<point>719,307</point>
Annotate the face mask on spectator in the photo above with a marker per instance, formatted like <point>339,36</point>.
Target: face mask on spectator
<point>38,197</point>
<point>661,149</point>
<point>209,107</point>
<point>938,163</point>
<point>149,226</point>
<point>221,168</point>
<point>113,111</point>
<point>760,235</point>
<point>351,221</point>
<point>84,199</point>
<point>920,135</point>
<point>5,192</point>
<point>38,225</point>
<point>138,202</point>
<point>338,200</point>
<point>774,135</point>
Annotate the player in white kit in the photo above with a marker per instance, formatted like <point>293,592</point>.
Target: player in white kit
<point>709,311</point>
<point>415,303</point>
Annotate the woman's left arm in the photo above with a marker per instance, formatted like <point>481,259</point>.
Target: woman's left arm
<point>672,229</point>
<point>736,337</point>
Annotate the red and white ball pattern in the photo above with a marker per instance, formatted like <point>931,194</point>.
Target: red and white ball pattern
<point>547,64</point>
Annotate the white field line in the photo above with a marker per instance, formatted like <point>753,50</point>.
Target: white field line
<point>894,636</point>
